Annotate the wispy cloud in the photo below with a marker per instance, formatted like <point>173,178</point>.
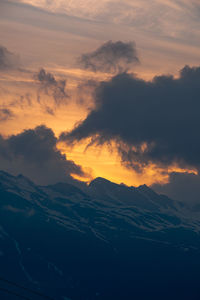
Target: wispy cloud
<point>111,57</point>
<point>80,8</point>
<point>5,114</point>
<point>51,86</point>
<point>164,16</point>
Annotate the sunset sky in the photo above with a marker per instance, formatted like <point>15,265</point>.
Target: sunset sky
<point>105,88</point>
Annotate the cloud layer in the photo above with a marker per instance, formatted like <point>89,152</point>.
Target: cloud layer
<point>33,153</point>
<point>111,57</point>
<point>168,17</point>
<point>8,60</point>
<point>151,122</point>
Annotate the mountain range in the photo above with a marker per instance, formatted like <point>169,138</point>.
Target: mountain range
<point>101,241</point>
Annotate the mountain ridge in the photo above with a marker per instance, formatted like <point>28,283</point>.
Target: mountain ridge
<point>60,239</point>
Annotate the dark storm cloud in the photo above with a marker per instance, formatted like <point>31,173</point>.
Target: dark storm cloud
<point>85,93</point>
<point>111,57</point>
<point>182,187</point>
<point>34,154</point>
<point>8,60</point>
<point>151,122</point>
<point>51,86</point>
<point>5,114</point>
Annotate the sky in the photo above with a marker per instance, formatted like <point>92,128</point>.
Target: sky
<point>101,89</point>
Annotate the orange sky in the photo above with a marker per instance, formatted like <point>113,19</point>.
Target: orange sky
<point>96,161</point>
<point>53,41</point>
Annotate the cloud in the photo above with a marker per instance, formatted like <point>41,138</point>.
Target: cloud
<point>80,8</point>
<point>8,60</point>
<point>183,187</point>
<point>111,57</point>
<point>150,122</point>
<point>171,18</point>
<point>33,153</point>
<point>5,114</point>
<point>50,86</point>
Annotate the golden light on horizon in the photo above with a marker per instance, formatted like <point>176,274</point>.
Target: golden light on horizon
<point>96,161</point>
<point>102,162</point>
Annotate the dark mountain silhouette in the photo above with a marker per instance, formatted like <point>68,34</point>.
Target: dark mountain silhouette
<point>106,241</point>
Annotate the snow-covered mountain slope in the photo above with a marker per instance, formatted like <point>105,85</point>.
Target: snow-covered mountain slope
<point>107,241</point>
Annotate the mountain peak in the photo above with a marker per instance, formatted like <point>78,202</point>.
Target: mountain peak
<point>145,188</point>
<point>99,181</point>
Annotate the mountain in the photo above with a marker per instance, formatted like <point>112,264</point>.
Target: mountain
<point>105,241</point>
